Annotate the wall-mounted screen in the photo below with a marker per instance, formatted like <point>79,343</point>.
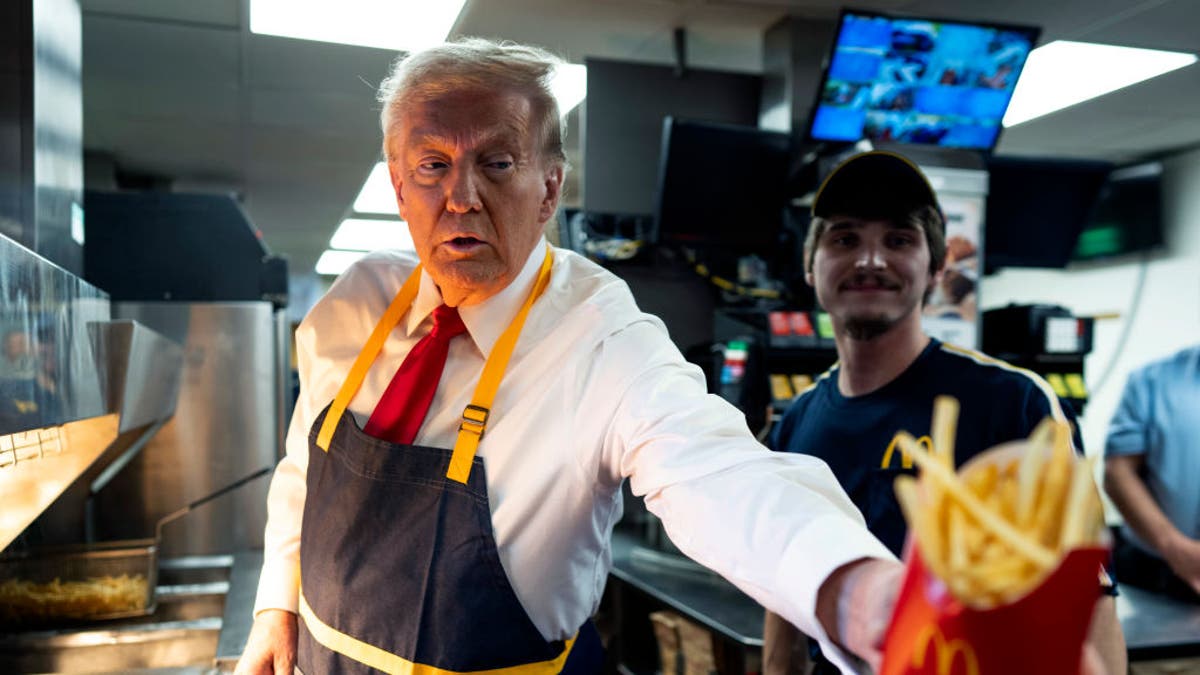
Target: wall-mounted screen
<point>1128,216</point>
<point>721,184</point>
<point>1036,208</point>
<point>919,81</point>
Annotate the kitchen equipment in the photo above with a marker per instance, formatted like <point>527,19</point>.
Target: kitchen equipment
<point>89,582</point>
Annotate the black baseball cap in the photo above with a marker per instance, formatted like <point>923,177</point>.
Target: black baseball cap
<point>876,184</point>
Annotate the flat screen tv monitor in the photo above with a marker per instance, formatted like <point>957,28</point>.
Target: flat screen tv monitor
<point>1036,209</point>
<point>721,185</point>
<point>1128,217</point>
<point>919,81</point>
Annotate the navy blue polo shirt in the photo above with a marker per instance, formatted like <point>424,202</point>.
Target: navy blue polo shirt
<point>853,435</point>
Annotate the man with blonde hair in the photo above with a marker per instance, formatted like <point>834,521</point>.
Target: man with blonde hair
<point>467,416</point>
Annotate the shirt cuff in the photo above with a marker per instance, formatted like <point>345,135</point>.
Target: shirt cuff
<point>830,543</point>
<point>278,586</point>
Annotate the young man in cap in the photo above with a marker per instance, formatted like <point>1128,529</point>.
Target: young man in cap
<point>875,248</point>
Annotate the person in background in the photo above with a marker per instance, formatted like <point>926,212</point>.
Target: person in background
<point>875,249</point>
<point>16,358</point>
<point>1152,475</point>
<point>468,414</point>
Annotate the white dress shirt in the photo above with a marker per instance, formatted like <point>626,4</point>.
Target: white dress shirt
<point>595,393</point>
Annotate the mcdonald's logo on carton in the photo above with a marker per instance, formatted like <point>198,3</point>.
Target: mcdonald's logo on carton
<point>945,653</point>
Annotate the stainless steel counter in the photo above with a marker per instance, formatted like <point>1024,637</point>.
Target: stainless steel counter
<point>1155,626</point>
<point>689,589</point>
<point>239,609</point>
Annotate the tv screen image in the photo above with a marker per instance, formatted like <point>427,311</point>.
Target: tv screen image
<point>908,80</point>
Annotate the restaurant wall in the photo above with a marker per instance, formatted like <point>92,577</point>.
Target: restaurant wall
<point>1157,297</point>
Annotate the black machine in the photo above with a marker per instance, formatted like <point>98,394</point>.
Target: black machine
<point>148,246</point>
<point>1047,339</point>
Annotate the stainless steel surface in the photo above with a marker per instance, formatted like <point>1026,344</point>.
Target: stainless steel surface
<point>225,426</point>
<point>699,594</point>
<point>48,372</point>
<point>180,637</point>
<point>58,131</point>
<point>46,462</point>
<point>1153,622</point>
<point>176,643</point>
<point>140,370</point>
<point>41,126</point>
<point>239,608</point>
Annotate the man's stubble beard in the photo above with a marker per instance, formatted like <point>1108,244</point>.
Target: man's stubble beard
<point>868,328</point>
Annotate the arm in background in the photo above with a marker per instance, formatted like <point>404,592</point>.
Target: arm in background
<point>1125,487</point>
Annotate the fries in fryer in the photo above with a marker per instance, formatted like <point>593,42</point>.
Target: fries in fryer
<point>23,600</point>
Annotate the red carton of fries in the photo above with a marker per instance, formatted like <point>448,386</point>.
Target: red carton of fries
<point>934,633</point>
<point>1003,558</point>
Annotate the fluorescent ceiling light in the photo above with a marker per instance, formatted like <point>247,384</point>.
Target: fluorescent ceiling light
<point>569,86</point>
<point>376,195</point>
<point>1063,73</point>
<point>360,234</point>
<point>403,25</point>
<point>333,263</point>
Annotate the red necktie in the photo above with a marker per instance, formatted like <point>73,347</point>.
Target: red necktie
<point>400,411</point>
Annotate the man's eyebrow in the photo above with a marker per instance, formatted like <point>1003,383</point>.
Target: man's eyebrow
<point>844,225</point>
<point>506,136</point>
<point>855,224</point>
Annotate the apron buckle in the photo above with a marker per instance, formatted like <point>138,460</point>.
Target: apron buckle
<point>474,419</point>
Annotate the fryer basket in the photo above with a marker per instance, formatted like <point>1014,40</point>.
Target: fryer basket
<point>53,585</point>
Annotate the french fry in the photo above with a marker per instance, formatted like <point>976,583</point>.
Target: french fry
<point>923,527</point>
<point>956,536</point>
<point>1027,480</point>
<point>983,481</point>
<point>945,423</point>
<point>1043,433</point>
<point>1047,515</point>
<point>1079,514</point>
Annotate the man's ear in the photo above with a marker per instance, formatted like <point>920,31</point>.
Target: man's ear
<point>552,183</point>
<point>809,279</point>
<point>397,187</point>
<point>935,280</point>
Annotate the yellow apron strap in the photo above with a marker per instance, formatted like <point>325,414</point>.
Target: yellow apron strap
<point>387,662</point>
<point>400,304</point>
<point>475,416</point>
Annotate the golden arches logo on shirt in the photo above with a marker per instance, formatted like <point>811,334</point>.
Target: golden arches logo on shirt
<point>946,653</point>
<point>925,442</point>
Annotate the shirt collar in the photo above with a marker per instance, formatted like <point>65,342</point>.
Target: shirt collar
<point>487,320</point>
